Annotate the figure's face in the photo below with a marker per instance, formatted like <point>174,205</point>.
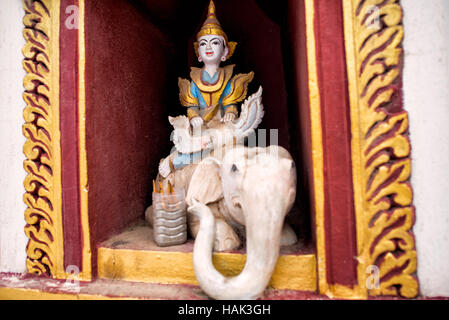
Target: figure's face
<point>211,49</point>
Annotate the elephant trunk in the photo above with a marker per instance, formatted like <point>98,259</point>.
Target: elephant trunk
<point>263,233</point>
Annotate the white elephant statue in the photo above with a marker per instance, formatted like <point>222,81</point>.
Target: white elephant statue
<point>236,193</point>
<point>259,189</point>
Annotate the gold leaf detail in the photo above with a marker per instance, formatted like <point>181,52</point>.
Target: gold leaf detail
<point>38,129</point>
<point>387,212</point>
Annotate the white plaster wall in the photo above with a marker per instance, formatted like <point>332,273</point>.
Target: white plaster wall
<point>12,237</point>
<point>426,94</point>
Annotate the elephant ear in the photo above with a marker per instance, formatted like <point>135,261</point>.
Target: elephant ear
<point>205,184</point>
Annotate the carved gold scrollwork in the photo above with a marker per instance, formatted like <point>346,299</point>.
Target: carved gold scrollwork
<point>381,147</point>
<point>42,183</point>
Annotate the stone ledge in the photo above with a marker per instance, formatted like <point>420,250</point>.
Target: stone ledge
<point>134,256</point>
<point>29,287</point>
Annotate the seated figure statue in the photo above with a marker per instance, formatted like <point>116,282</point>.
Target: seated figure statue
<point>234,195</point>
<point>212,95</point>
<point>212,127</point>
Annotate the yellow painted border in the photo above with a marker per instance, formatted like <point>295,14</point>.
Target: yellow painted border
<point>86,273</point>
<point>33,294</point>
<point>56,133</point>
<point>49,206</point>
<point>317,145</point>
<point>292,272</point>
<point>357,167</point>
<point>45,248</point>
<point>372,167</point>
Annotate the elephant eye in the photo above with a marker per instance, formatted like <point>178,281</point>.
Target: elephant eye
<point>234,168</point>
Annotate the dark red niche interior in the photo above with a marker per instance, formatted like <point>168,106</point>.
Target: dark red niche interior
<point>70,197</point>
<point>300,114</point>
<point>126,112</point>
<point>135,52</point>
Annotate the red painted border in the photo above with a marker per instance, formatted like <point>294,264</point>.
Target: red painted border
<point>339,215</point>
<point>68,93</point>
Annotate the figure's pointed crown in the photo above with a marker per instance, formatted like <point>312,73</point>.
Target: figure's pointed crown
<point>212,26</point>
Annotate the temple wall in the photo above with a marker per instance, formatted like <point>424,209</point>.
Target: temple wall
<point>426,98</point>
<point>12,174</point>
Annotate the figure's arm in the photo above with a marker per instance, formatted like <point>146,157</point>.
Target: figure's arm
<point>166,165</point>
<point>230,110</point>
<point>188,97</point>
<point>193,112</point>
